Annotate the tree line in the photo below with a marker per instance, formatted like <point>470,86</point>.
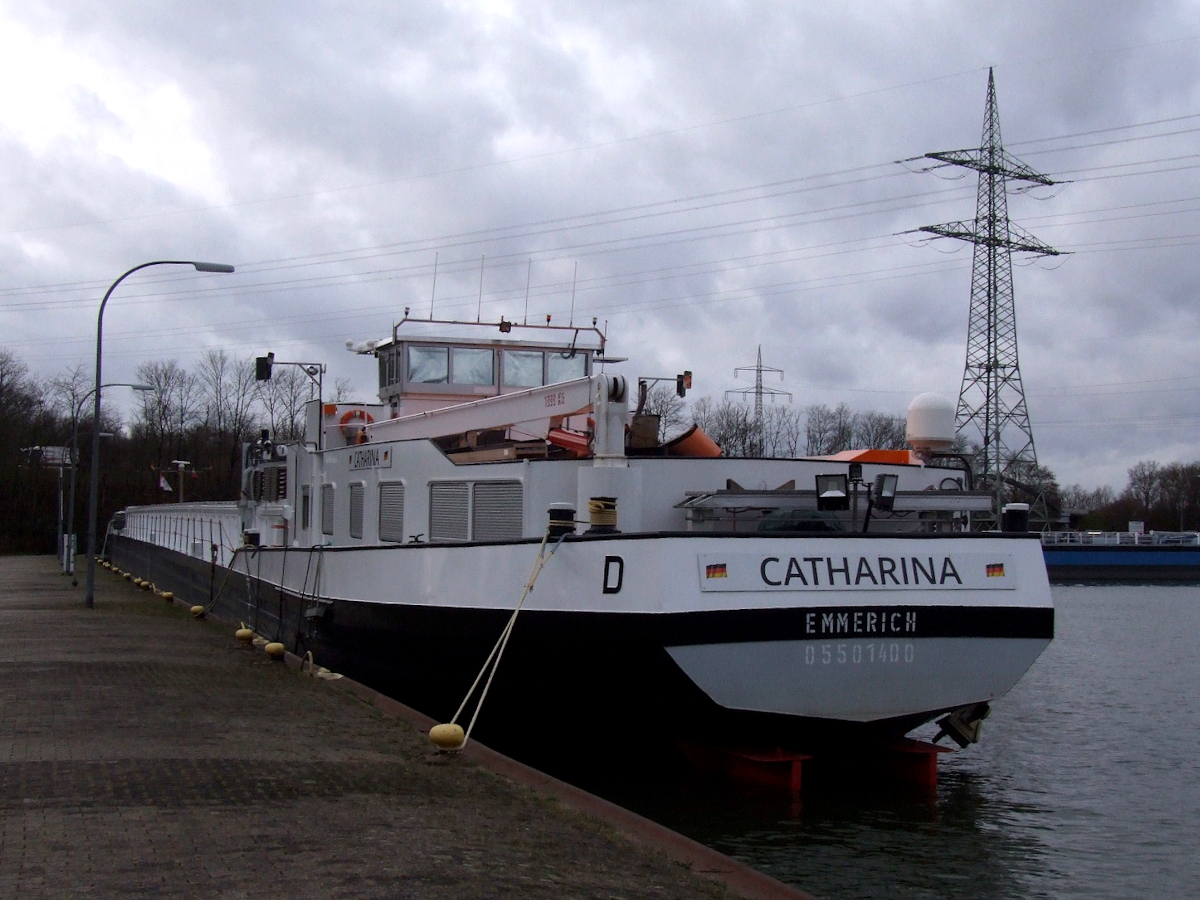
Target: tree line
<point>785,431</point>
<point>1164,497</point>
<point>200,416</point>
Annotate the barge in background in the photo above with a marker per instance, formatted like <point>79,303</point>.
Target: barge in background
<point>1122,557</point>
<point>753,604</point>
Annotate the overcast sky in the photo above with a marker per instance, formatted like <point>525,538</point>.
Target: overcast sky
<point>712,176</point>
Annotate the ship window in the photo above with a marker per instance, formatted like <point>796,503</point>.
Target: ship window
<point>391,511</point>
<point>471,365</point>
<point>305,506</point>
<point>327,509</point>
<point>496,511</point>
<point>428,365</point>
<point>560,367</point>
<point>522,368</point>
<point>448,520</point>
<point>356,509</point>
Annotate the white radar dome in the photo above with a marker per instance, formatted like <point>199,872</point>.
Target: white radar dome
<point>930,423</point>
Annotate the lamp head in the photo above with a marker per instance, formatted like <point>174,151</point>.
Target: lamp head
<point>885,491</point>
<point>833,492</point>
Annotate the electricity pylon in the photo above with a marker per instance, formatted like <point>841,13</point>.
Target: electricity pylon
<point>759,391</point>
<point>991,401</point>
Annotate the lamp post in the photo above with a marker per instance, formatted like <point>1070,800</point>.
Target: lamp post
<point>68,553</point>
<point>94,487</point>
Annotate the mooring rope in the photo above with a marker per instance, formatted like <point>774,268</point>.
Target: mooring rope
<point>493,659</point>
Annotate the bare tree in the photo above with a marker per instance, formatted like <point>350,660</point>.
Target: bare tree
<point>29,522</point>
<point>782,431</point>
<point>879,431</point>
<point>1144,484</point>
<point>68,390</point>
<point>283,399</point>
<point>343,391</point>
<point>828,430</point>
<point>228,395</point>
<point>730,425</point>
<point>169,408</point>
<point>1076,496</point>
<point>1179,491</point>
<point>663,401</point>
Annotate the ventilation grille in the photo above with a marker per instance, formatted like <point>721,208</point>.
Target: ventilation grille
<point>356,509</point>
<point>327,509</point>
<point>391,511</point>
<point>448,519</point>
<point>496,511</point>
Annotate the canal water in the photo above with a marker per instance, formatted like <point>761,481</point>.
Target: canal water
<point>1086,782</point>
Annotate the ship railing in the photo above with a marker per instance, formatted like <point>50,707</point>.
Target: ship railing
<point>190,528</point>
<point>1120,538</point>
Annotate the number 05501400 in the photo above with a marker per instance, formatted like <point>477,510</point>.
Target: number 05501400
<point>858,653</point>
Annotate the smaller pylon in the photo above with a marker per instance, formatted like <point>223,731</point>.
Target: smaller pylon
<point>759,438</point>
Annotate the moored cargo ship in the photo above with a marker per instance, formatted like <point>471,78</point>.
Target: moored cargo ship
<point>663,589</point>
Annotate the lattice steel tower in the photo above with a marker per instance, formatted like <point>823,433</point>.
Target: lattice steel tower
<point>991,401</point>
<point>758,441</point>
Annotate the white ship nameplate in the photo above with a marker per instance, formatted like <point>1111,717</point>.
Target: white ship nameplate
<point>370,458</point>
<point>741,572</point>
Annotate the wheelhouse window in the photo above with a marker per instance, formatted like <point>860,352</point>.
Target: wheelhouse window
<point>472,365</point>
<point>565,367</point>
<point>522,368</point>
<point>428,365</point>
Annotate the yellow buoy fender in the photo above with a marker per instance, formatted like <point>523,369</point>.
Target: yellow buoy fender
<point>197,612</point>
<point>168,596</point>
<point>447,737</point>
<point>245,635</point>
<point>275,650</point>
<point>128,576</point>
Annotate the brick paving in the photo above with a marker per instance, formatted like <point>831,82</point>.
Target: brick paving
<point>145,753</point>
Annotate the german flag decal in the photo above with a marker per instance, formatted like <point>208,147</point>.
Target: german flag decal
<point>995,570</point>
<point>718,571</point>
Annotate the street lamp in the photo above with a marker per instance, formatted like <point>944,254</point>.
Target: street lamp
<point>94,487</point>
<point>69,552</point>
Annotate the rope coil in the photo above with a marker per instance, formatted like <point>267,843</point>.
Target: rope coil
<point>602,511</point>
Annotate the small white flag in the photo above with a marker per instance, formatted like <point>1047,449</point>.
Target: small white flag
<point>164,484</point>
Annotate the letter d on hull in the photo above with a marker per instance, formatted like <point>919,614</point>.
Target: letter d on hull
<point>614,574</point>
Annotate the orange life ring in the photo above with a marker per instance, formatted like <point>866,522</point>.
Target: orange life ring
<point>352,431</point>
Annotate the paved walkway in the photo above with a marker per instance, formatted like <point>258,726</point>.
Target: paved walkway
<point>144,753</point>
